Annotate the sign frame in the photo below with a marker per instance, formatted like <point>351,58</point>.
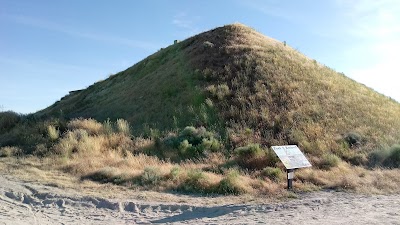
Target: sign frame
<point>292,158</point>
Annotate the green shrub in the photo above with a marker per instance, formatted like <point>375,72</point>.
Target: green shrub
<point>195,182</point>
<point>150,176</point>
<point>174,173</point>
<point>220,91</point>
<point>251,150</point>
<point>328,161</point>
<point>185,148</point>
<point>253,157</point>
<point>193,142</point>
<point>393,161</point>
<point>389,157</point>
<point>358,159</point>
<point>8,120</point>
<point>27,134</point>
<point>230,184</point>
<point>273,173</point>
<point>353,139</point>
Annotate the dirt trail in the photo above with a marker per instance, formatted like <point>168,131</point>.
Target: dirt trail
<point>29,203</point>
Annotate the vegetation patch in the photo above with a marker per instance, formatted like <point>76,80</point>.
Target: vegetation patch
<point>254,157</point>
<point>273,173</point>
<point>193,142</point>
<point>388,158</point>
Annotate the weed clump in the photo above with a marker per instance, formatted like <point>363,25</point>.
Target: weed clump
<point>53,132</point>
<point>91,126</point>
<point>273,173</point>
<point>230,184</point>
<point>8,120</point>
<point>353,139</point>
<point>388,158</point>
<point>196,182</point>
<point>253,157</point>
<point>151,176</point>
<point>220,91</point>
<point>328,161</point>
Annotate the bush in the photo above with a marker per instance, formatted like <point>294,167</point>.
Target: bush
<point>8,120</point>
<point>220,91</point>
<point>389,158</point>
<point>150,176</point>
<point>393,161</point>
<point>353,139</point>
<point>328,161</point>
<point>193,142</point>
<point>273,173</point>
<point>174,173</point>
<point>196,182</point>
<point>253,157</point>
<point>231,184</point>
<point>251,150</point>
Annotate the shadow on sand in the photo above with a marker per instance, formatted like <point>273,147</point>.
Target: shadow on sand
<point>201,212</point>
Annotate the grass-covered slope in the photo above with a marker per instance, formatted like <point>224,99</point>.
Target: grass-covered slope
<point>158,92</point>
<point>261,90</point>
<point>269,93</point>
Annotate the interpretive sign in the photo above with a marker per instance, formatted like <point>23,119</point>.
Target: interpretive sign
<point>291,156</point>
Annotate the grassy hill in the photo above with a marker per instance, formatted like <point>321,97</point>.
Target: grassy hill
<point>259,89</point>
<point>219,99</point>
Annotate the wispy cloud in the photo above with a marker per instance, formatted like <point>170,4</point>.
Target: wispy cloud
<point>73,32</point>
<point>372,19</point>
<point>186,24</point>
<point>376,25</point>
<point>273,8</point>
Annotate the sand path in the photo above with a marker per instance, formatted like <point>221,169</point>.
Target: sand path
<point>29,203</point>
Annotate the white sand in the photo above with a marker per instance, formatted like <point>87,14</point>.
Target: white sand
<point>24,202</point>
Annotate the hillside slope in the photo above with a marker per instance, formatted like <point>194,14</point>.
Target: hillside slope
<point>254,88</point>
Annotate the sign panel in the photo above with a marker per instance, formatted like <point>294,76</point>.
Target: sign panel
<point>291,156</point>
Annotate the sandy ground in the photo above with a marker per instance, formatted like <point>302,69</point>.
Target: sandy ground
<point>24,202</point>
<point>33,194</point>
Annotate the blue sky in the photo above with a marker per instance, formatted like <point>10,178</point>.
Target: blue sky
<point>48,48</point>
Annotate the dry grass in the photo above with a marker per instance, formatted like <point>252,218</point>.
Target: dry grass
<point>354,178</point>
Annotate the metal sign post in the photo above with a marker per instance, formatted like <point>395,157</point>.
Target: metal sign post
<point>290,176</point>
<point>292,158</point>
